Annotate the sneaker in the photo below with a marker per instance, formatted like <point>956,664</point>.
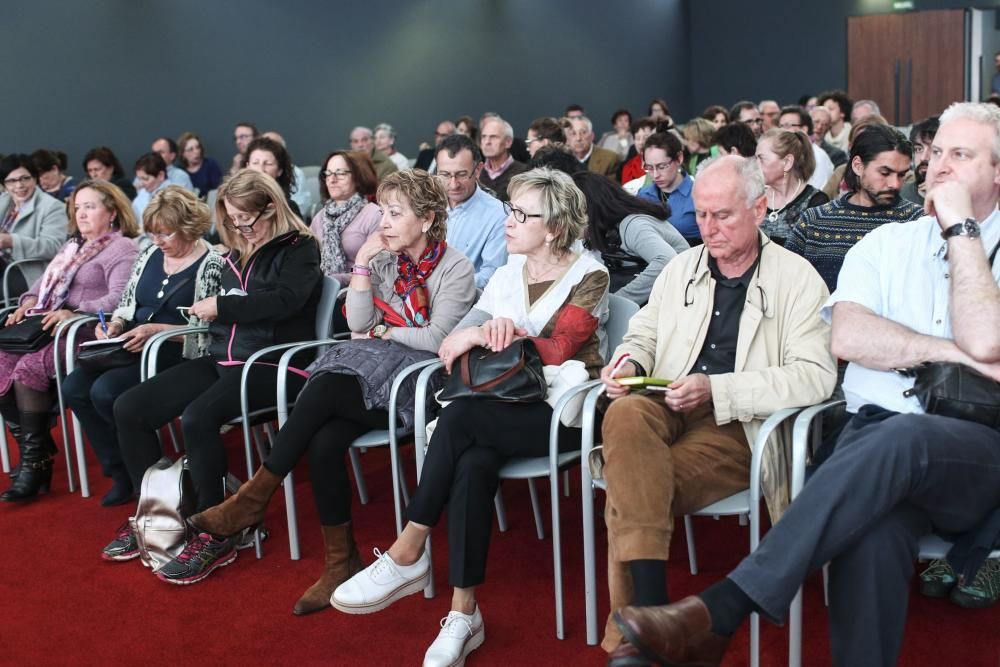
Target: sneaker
<point>460,635</point>
<point>938,579</point>
<point>984,590</point>
<point>201,555</point>
<point>123,547</point>
<point>380,584</point>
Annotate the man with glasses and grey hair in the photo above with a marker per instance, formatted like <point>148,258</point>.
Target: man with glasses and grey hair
<point>495,139</point>
<point>475,218</point>
<point>735,325</point>
<point>593,158</point>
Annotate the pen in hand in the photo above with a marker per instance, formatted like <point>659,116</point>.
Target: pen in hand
<point>104,322</point>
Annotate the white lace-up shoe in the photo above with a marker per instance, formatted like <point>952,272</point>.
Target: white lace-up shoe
<point>380,584</point>
<point>460,635</point>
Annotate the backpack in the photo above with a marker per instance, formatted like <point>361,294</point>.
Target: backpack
<point>166,500</point>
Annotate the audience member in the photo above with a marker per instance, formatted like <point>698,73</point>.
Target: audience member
<point>618,139</point>
<point>736,138</point>
<point>545,292</point>
<point>467,126</point>
<point>32,224</point>
<point>641,129</point>
<point>270,290</point>
<point>905,297</point>
<point>746,112</point>
<point>243,134</point>
<point>267,156</point>
<point>385,141</point>
<point>699,139</point>
<point>632,235</point>
<point>658,110</point>
<point>205,173</point>
<point>839,105</point>
<point>922,138</point>
<point>301,194</point>
<point>542,132</point>
<point>556,157</point>
<point>673,453</point>
<point>496,138</point>
<point>167,149</point>
<point>176,270</point>
<point>880,160</point>
<point>863,108</point>
<point>662,157</point>
<point>581,142</point>
<point>797,119</point>
<point>51,166</point>
<point>769,112</point>
<point>475,218</point>
<point>87,274</point>
<point>347,219</point>
<point>718,115</point>
<point>101,164</point>
<point>150,176</point>
<point>574,111</point>
<point>363,140</point>
<point>425,159</point>
<point>837,185</point>
<point>821,125</point>
<point>786,160</point>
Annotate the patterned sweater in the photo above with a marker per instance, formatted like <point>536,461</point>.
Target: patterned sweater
<point>824,234</point>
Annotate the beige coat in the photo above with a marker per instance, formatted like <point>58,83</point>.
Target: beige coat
<point>783,357</point>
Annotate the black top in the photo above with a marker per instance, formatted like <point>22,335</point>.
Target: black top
<point>147,292</point>
<point>718,355</point>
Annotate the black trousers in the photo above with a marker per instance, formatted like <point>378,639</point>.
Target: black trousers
<point>329,414</point>
<point>205,396</point>
<point>891,478</point>
<point>92,398</point>
<point>472,441</point>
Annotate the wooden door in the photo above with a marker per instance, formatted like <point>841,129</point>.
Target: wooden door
<point>874,44</point>
<point>938,54</point>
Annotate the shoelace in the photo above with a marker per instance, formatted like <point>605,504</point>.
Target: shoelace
<point>988,578</point>
<point>939,569</point>
<point>124,532</point>
<point>450,625</point>
<point>383,565</point>
<point>193,548</point>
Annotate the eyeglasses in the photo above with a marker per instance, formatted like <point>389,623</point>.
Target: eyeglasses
<point>653,168</point>
<point>11,182</point>
<point>238,137</point>
<point>244,229</point>
<point>519,215</point>
<point>790,126</point>
<point>335,174</point>
<point>458,175</point>
<point>754,121</point>
<point>162,238</point>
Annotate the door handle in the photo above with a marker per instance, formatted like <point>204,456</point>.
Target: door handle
<point>895,93</point>
<point>909,91</point>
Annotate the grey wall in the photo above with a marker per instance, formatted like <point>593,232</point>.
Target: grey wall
<point>80,74</point>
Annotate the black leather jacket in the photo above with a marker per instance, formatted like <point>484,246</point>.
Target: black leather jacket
<point>283,283</point>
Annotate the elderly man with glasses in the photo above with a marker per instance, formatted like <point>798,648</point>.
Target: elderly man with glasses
<point>662,155</point>
<point>475,218</point>
<point>735,325</point>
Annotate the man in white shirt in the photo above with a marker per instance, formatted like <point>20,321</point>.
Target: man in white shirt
<point>921,292</point>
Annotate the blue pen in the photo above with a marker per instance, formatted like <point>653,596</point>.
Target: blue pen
<point>104,323</point>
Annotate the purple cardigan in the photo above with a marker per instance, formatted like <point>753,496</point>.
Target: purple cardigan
<point>98,284</point>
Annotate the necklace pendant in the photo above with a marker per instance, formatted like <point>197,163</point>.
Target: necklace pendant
<point>773,216</point>
<point>159,295</point>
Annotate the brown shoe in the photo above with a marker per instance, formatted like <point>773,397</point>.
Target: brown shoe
<point>342,562</point>
<point>677,635</point>
<point>243,509</point>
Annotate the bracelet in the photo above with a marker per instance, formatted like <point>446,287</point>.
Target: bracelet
<point>360,270</point>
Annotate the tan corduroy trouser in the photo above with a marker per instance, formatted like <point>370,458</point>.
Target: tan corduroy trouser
<point>659,464</point>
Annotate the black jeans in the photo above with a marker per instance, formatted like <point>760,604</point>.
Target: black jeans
<point>472,441</point>
<point>891,478</point>
<point>92,398</point>
<point>329,414</point>
<point>205,396</point>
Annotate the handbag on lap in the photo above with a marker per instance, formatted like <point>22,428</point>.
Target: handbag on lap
<point>25,336</point>
<point>514,374</point>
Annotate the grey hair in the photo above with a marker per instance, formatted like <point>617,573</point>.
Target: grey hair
<point>822,110</point>
<point>587,121</point>
<point>508,129</point>
<point>868,103</point>
<point>987,114</point>
<point>385,127</point>
<point>366,130</point>
<point>748,170</point>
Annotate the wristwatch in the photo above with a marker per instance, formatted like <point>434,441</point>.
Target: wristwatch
<point>969,227</point>
<point>378,331</point>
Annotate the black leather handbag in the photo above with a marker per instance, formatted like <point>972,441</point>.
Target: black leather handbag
<point>25,336</point>
<point>954,390</point>
<point>513,375</point>
<point>100,357</point>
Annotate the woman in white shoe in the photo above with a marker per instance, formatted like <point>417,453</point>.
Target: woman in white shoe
<point>556,297</point>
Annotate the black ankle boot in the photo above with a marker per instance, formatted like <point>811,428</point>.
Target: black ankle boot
<point>121,489</point>
<point>35,474</point>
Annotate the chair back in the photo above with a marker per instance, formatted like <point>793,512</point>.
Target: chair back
<point>327,305</point>
<point>311,183</point>
<point>620,311</point>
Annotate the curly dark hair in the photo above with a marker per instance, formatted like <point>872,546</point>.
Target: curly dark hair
<point>286,177</point>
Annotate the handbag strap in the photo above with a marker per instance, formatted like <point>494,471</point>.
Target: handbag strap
<point>993,255</point>
<point>489,384</point>
<point>166,298</point>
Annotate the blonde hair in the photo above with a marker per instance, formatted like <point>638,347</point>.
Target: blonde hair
<point>113,199</point>
<point>700,130</point>
<point>564,208</point>
<point>176,209</point>
<point>796,144</point>
<point>424,194</point>
<point>253,191</point>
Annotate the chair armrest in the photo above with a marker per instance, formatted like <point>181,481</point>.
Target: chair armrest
<point>777,420</point>
<point>587,433</point>
<point>68,329</point>
<point>7,270</point>
<point>281,390</point>
<point>151,350</point>
<point>420,412</point>
<point>557,411</point>
<point>801,433</point>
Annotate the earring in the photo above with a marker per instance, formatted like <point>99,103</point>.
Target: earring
<point>425,228</point>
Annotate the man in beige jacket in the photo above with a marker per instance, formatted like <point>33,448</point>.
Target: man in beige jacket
<point>736,325</point>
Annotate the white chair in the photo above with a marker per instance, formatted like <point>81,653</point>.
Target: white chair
<point>8,298</point>
<point>68,331</point>
<point>311,182</point>
<point>732,505</point>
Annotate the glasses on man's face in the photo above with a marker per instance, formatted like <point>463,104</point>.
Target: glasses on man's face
<point>754,121</point>
<point>794,127</point>
<point>446,176</point>
<point>654,168</point>
<point>242,137</point>
<point>16,180</point>
<point>519,215</point>
<point>246,228</point>
<point>162,238</point>
<point>336,174</point>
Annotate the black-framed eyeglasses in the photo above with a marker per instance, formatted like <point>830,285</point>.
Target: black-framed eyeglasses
<point>335,174</point>
<point>244,229</point>
<point>519,215</point>
<point>11,182</point>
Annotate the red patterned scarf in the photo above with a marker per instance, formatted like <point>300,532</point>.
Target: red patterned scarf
<point>411,285</point>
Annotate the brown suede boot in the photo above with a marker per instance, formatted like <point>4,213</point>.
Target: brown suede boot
<point>342,562</point>
<point>243,509</point>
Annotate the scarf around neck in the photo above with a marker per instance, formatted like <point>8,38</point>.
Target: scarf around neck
<point>411,284</point>
<point>336,217</point>
<point>59,274</point>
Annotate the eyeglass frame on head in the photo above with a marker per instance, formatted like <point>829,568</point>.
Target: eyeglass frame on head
<point>518,215</point>
<point>243,229</point>
<point>160,238</point>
